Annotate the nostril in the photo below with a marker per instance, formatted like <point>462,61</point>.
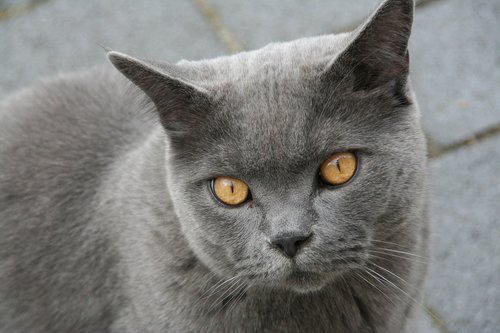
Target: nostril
<point>299,242</point>
<point>279,246</point>
<point>289,245</point>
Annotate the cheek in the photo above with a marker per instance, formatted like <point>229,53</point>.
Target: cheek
<point>223,235</point>
<point>369,195</point>
<point>351,212</point>
<point>356,204</point>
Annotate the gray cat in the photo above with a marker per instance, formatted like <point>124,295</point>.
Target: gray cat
<point>277,190</point>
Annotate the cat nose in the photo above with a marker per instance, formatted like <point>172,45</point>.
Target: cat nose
<point>289,244</point>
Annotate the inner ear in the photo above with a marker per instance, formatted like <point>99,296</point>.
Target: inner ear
<point>377,57</point>
<point>182,105</point>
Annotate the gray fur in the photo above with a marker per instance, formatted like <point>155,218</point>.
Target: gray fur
<point>107,223</point>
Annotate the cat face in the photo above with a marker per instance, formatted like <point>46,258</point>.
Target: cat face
<point>275,144</point>
<point>263,128</point>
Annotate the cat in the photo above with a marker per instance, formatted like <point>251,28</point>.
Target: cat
<point>275,190</point>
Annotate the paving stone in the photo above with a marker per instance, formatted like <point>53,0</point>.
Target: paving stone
<point>259,22</point>
<point>64,35</point>
<point>5,4</point>
<point>455,52</point>
<point>464,276</point>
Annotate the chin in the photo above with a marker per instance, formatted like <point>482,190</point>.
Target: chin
<point>305,282</point>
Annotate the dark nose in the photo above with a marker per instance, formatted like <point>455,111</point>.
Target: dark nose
<point>289,245</point>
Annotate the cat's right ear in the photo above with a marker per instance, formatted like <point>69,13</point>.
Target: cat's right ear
<point>181,104</point>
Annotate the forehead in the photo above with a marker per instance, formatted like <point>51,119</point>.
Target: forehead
<point>271,114</point>
<point>273,123</point>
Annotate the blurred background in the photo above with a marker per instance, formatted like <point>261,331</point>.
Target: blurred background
<point>455,56</point>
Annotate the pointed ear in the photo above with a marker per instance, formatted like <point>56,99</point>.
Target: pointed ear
<point>181,104</point>
<point>378,54</point>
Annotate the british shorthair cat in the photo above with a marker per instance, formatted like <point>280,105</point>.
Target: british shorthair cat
<point>276,190</point>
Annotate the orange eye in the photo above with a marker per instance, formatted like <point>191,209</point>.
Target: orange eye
<point>338,168</point>
<point>230,191</point>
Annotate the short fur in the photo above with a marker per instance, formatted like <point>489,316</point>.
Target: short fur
<point>107,223</point>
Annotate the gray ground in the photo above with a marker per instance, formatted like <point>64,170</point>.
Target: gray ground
<point>456,64</point>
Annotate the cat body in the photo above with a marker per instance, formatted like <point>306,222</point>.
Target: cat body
<point>108,222</point>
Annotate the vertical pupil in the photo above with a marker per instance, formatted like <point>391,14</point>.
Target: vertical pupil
<point>337,162</point>
<point>232,186</point>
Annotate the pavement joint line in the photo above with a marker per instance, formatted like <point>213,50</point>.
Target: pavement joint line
<point>17,10</point>
<point>223,34</point>
<point>436,151</point>
<point>423,3</point>
<point>436,318</point>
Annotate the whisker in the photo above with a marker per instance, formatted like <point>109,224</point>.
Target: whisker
<point>227,292</point>
<point>401,257</point>
<point>376,288</point>
<point>217,286</point>
<point>392,273</point>
<point>419,304</point>
<point>386,242</point>
<point>238,298</point>
<point>232,296</point>
<point>389,282</point>
<point>372,285</point>
<point>402,252</point>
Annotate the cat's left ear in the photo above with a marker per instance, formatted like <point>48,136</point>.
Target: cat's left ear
<point>181,104</point>
<point>377,56</point>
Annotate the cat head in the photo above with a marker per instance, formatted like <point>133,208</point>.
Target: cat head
<point>284,164</point>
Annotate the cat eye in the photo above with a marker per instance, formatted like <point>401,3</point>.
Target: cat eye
<point>230,191</point>
<point>338,168</point>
